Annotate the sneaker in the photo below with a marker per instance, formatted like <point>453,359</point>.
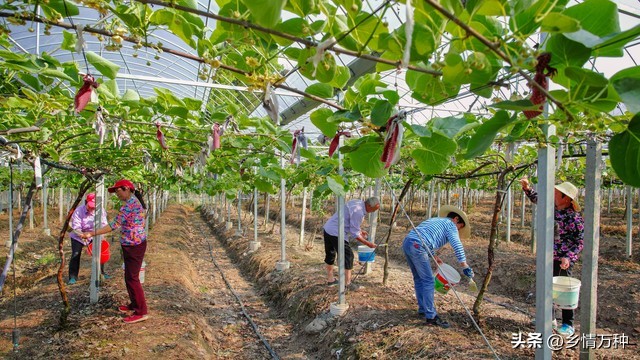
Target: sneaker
<point>124,309</point>
<point>566,330</point>
<point>332,283</point>
<point>354,287</point>
<point>135,318</point>
<point>106,276</point>
<point>437,321</point>
<point>71,281</point>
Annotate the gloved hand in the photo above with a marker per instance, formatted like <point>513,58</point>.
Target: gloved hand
<point>468,272</point>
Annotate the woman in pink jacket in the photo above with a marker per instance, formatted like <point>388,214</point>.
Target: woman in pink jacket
<point>82,220</point>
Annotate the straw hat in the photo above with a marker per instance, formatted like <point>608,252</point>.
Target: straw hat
<point>571,191</point>
<point>465,232</point>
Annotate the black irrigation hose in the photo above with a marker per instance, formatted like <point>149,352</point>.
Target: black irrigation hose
<point>244,311</point>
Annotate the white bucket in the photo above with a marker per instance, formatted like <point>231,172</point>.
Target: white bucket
<point>566,291</point>
<point>445,278</point>
<point>142,272</point>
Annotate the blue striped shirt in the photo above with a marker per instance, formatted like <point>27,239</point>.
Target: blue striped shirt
<point>435,233</point>
<point>354,211</point>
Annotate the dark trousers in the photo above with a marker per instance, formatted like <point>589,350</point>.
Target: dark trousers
<point>133,256</point>
<point>331,251</point>
<point>567,315</point>
<point>74,262</point>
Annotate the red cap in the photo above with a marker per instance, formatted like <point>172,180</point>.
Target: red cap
<point>91,201</point>
<point>122,183</point>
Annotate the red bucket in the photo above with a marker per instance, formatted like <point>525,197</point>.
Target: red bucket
<point>105,252</point>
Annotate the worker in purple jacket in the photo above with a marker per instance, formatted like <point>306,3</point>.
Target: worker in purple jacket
<point>568,238</point>
<point>82,221</point>
<point>354,211</point>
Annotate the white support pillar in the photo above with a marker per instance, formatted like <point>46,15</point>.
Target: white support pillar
<point>229,224</point>
<point>255,244</point>
<point>61,205</point>
<point>341,306</point>
<point>283,264</point>
<point>31,226</point>
<point>266,210</point>
<point>239,209</point>
<point>154,199</point>
<point>544,247</point>
<point>45,195</point>
<point>10,209</point>
<point>524,208</point>
<point>303,216</point>
<point>430,206</point>
<point>94,285</point>
<point>589,288</point>
<point>629,217</point>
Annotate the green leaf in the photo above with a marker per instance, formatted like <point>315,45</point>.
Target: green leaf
<point>341,77</point>
<point>557,22</point>
<point>613,43</point>
<point>178,111</point>
<point>624,152</point>
<point>69,41</point>
<point>449,126</point>
<point>491,8</point>
<point>486,133</point>
<point>192,104</point>
<point>454,71</point>
<point>265,13</point>
<point>589,83</point>
<point>295,27</point>
<point>31,81</point>
<point>104,66</point>
<point>176,23</point>
<point>302,7</point>
<point>65,8</point>
<point>599,17</point>
<point>420,130</point>
<point>381,112</point>
<point>517,105</point>
<point>324,91</point>
<point>435,155</point>
<point>567,52</point>
<point>319,119</point>
<point>264,186</point>
<point>365,159</point>
<point>109,89</point>
<point>56,74</point>
<point>130,95</point>
<point>627,85</point>
<point>336,184</point>
<point>326,69</point>
<point>517,131</point>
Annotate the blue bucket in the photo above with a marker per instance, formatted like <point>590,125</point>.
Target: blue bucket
<point>366,254</point>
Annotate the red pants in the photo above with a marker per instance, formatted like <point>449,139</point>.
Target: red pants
<point>133,256</point>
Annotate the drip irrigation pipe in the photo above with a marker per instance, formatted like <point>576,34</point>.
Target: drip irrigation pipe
<point>438,266</point>
<point>244,311</point>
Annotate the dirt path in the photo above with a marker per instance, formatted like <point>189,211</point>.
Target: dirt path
<point>193,313</point>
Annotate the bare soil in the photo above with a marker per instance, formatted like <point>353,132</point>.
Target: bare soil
<point>206,292</point>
